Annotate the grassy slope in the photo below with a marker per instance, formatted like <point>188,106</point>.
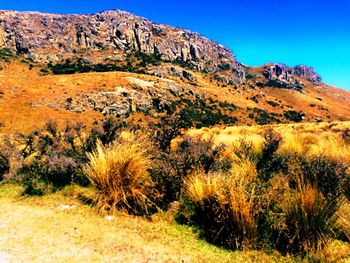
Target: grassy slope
<point>38,230</point>
<point>28,96</point>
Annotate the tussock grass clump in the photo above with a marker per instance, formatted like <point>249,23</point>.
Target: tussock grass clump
<point>311,220</point>
<point>223,206</point>
<point>302,220</point>
<point>186,157</point>
<point>119,173</point>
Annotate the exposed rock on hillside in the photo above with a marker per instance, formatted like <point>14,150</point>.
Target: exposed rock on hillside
<point>144,96</point>
<point>114,36</point>
<point>282,76</point>
<point>109,35</point>
<point>307,73</point>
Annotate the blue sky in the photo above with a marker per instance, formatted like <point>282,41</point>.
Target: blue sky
<point>310,32</point>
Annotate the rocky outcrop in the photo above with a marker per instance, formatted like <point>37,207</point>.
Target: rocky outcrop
<point>282,76</point>
<point>307,73</point>
<point>112,35</point>
<point>173,71</point>
<point>2,37</point>
<point>122,101</point>
<point>109,35</point>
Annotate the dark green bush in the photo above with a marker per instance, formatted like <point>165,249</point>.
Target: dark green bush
<point>10,157</point>
<point>191,154</point>
<point>263,117</point>
<point>270,163</point>
<point>4,165</point>
<point>249,76</point>
<point>224,66</point>
<point>294,116</point>
<point>273,103</point>
<point>346,135</point>
<point>6,55</point>
<point>57,160</point>
<point>49,173</point>
<point>330,176</point>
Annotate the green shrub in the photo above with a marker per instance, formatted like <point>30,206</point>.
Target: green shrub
<point>4,165</point>
<point>330,176</point>
<point>273,103</point>
<point>306,222</point>
<point>49,173</point>
<point>10,156</point>
<point>294,116</point>
<point>52,160</point>
<point>263,117</point>
<point>270,163</point>
<point>346,135</point>
<point>190,155</point>
<point>249,76</point>
<point>6,55</point>
<point>224,67</point>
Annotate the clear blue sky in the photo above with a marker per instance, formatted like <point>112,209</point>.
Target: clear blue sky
<point>311,32</point>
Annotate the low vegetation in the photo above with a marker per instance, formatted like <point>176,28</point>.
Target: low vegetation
<point>281,188</point>
<point>262,117</point>
<point>6,55</point>
<point>135,62</point>
<point>119,173</point>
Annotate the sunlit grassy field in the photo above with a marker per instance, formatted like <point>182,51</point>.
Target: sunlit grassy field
<point>310,138</point>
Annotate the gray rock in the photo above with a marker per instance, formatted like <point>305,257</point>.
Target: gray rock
<point>52,37</point>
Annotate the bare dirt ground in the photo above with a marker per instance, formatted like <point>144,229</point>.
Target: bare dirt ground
<point>57,228</point>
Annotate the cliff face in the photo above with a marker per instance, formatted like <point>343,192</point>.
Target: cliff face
<point>112,35</point>
<point>282,76</point>
<point>108,35</point>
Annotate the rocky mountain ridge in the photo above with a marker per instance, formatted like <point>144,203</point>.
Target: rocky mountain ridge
<point>108,35</point>
<point>112,35</point>
<point>282,76</point>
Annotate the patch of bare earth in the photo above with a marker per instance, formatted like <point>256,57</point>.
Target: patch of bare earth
<point>52,229</point>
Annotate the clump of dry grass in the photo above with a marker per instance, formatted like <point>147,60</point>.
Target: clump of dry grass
<point>119,173</point>
<point>225,205</point>
<point>311,220</point>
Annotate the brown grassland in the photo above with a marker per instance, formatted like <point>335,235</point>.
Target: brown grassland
<point>30,98</point>
<point>102,192</point>
<point>60,227</point>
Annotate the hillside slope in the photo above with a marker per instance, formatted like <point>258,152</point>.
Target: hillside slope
<point>84,67</point>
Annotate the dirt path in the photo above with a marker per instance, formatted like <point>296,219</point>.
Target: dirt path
<point>57,229</point>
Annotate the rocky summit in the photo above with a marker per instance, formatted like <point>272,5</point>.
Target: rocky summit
<point>109,35</point>
<point>282,76</point>
<point>112,35</point>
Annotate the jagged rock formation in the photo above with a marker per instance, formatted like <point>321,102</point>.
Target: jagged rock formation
<point>282,76</point>
<point>109,35</point>
<point>112,35</point>
<point>307,73</point>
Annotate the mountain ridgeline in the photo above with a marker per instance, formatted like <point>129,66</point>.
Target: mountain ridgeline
<point>113,35</point>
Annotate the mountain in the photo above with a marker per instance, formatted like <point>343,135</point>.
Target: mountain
<point>47,37</point>
<point>128,66</point>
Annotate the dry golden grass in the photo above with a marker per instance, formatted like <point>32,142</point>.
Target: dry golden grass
<point>234,194</point>
<point>305,206</point>
<point>119,174</point>
<point>313,139</point>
